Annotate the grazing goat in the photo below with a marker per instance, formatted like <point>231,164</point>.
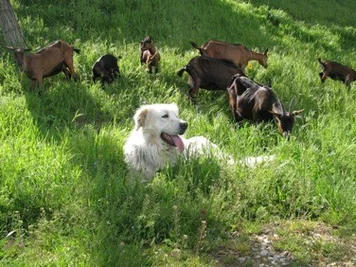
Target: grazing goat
<point>238,54</point>
<point>106,69</point>
<point>149,55</point>
<point>208,73</point>
<point>49,61</point>
<point>337,71</point>
<point>259,103</point>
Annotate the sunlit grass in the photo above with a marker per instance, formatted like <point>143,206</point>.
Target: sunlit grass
<point>65,197</point>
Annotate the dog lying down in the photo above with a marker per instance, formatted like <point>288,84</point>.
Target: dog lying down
<point>157,141</point>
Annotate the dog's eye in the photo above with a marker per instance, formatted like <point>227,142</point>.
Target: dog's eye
<point>165,116</point>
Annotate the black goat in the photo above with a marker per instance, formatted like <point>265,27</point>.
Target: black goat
<point>106,69</point>
<point>252,101</point>
<point>209,73</point>
<point>336,71</point>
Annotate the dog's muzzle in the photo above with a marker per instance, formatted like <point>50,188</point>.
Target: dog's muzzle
<point>183,127</point>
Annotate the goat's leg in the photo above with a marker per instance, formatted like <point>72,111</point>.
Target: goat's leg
<point>33,84</point>
<point>149,65</point>
<point>95,76</point>
<point>233,102</point>
<point>69,64</point>
<point>156,68</point>
<point>237,116</point>
<point>37,81</point>
<point>193,92</point>
<point>107,75</point>
<point>348,81</point>
<point>142,60</point>
<point>39,78</point>
<point>66,72</point>
<point>323,76</point>
<point>40,82</point>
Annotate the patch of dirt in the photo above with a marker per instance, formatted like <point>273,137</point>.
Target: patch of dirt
<point>261,250</point>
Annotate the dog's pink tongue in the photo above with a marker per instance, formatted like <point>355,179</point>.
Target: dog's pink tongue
<point>178,142</point>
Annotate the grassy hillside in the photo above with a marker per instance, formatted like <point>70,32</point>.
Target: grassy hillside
<point>65,198</point>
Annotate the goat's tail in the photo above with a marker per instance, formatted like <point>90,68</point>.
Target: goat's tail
<point>180,72</point>
<point>196,46</point>
<point>322,63</point>
<point>76,50</point>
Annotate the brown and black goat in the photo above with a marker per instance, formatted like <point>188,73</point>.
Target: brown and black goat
<point>255,102</point>
<point>55,58</point>
<point>337,71</point>
<point>149,55</point>
<point>239,54</point>
<point>106,69</point>
<point>209,73</point>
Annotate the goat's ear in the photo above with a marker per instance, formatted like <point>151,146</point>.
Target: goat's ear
<point>140,118</point>
<point>27,49</point>
<point>10,48</point>
<point>265,52</point>
<point>297,112</point>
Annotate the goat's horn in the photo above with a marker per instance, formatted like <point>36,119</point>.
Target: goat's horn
<point>282,107</point>
<point>291,105</point>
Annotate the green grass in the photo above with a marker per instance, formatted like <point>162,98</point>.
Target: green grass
<point>65,198</point>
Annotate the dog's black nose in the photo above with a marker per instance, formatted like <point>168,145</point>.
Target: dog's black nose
<point>183,126</point>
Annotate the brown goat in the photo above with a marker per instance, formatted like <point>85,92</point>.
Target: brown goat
<point>208,73</point>
<point>337,71</point>
<point>239,54</point>
<point>149,55</point>
<point>259,103</point>
<point>55,58</point>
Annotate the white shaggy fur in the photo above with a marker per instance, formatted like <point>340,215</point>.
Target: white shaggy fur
<point>157,141</point>
<point>145,149</point>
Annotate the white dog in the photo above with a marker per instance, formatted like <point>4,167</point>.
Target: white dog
<point>156,141</point>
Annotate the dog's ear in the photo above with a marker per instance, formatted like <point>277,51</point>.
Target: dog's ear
<point>140,118</point>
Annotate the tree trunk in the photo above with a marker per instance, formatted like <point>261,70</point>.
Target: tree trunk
<point>10,26</point>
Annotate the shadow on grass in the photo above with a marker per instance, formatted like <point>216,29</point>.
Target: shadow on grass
<point>313,12</point>
<point>65,104</point>
<point>123,215</point>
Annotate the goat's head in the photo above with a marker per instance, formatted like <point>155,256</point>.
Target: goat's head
<point>263,60</point>
<point>19,54</point>
<point>285,119</point>
<point>147,43</point>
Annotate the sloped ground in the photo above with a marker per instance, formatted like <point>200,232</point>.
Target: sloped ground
<point>311,244</point>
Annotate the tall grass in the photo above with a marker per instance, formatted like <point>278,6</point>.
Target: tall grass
<point>65,198</point>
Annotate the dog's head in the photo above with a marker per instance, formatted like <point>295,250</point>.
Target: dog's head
<point>161,120</point>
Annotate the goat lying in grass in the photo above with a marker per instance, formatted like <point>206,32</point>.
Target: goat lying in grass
<point>208,73</point>
<point>106,69</point>
<point>50,60</point>
<point>255,102</point>
<point>337,71</point>
<point>149,55</point>
<point>239,54</point>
